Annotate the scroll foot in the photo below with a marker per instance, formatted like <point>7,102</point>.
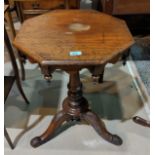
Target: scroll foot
<point>57,121</point>
<point>100,128</point>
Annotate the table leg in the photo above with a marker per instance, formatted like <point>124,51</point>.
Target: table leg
<point>75,107</point>
<point>100,128</point>
<point>58,119</point>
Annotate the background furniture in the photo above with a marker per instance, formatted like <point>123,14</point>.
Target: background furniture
<point>134,12</point>
<point>13,61</point>
<point>141,121</point>
<point>121,7</point>
<point>9,80</point>
<point>72,44</point>
<point>15,68</point>
<point>30,8</point>
<point>8,19</point>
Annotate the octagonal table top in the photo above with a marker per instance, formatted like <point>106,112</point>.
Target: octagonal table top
<point>73,37</point>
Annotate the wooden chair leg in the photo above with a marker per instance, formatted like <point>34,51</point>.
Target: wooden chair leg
<point>141,121</point>
<point>125,56</point>
<point>21,91</point>
<point>21,62</point>
<point>8,138</point>
<point>22,70</point>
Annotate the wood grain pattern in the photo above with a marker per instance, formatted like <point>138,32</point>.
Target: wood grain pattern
<point>122,7</point>
<point>131,6</point>
<point>48,39</point>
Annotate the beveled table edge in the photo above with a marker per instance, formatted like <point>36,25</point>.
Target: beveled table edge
<point>82,63</point>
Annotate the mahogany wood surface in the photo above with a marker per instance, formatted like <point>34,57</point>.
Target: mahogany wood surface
<point>49,38</point>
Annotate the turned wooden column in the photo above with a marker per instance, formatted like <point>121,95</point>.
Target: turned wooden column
<point>75,103</point>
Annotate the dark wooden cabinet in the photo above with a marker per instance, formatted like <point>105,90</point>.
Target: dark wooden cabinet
<point>136,13</point>
<point>47,4</point>
<point>30,8</point>
<point>125,7</point>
